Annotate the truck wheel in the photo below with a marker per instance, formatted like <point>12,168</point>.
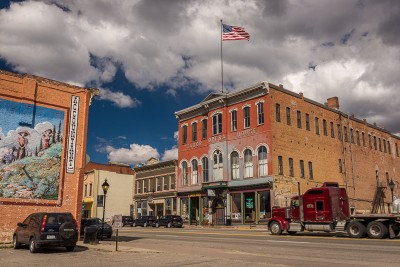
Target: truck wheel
<point>275,228</point>
<point>356,229</point>
<point>377,230</point>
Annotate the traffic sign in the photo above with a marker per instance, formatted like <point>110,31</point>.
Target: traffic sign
<point>117,221</point>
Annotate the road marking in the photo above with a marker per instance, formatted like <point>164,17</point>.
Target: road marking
<point>293,242</point>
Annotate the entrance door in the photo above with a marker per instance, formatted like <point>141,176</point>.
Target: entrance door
<point>194,212</point>
<point>249,208</point>
<point>218,212</point>
<point>160,210</point>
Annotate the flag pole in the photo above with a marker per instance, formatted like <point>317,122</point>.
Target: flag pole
<point>222,65</point>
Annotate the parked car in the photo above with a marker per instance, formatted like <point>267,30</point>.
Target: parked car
<point>127,220</point>
<point>107,229</point>
<point>169,221</point>
<point>144,221</point>
<point>46,229</point>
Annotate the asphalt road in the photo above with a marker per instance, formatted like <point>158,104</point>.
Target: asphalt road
<point>217,247</point>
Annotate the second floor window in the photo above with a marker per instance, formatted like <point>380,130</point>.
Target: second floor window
<point>235,165</point>
<point>217,123</point>
<point>388,145</point>
<point>346,137</point>
<point>139,187</point>
<point>363,138</point>
<point>278,112</point>
<point>204,129</point>
<point>298,119</point>
<point>204,163</point>
<point>184,173</point>
<point>194,131</point>
<point>280,165</point>
<point>332,130</point>
<point>184,134</point>
<point>316,125</point>
<point>291,169</point>
<point>172,181</point>
<point>307,122</point>
<point>351,135</point>
<point>234,120</point>
<point>301,168</point>
<point>246,117</point>
<point>340,166</point>
<point>248,164</point>
<point>397,149</point>
<point>358,137</point>
<point>194,171</point>
<point>218,165</point>
<point>375,147</point>
<point>288,121</point>
<point>85,190</point>
<point>339,132</point>
<point>260,113</point>
<point>310,170</point>
<point>262,161</point>
<point>325,127</point>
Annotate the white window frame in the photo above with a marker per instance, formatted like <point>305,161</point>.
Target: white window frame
<point>248,163</point>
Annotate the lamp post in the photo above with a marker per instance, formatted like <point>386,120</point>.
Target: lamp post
<point>391,186</point>
<point>105,187</point>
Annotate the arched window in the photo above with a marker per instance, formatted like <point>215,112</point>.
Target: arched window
<point>234,165</point>
<point>248,163</point>
<point>184,173</point>
<point>217,165</point>
<point>194,172</point>
<point>204,163</point>
<point>262,161</point>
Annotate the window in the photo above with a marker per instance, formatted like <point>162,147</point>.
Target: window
<point>184,134</point>
<point>204,163</point>
<point>85,190</point>
<point>346,137</point>
<point>278,112</point>
<point>246,117</point>
<point>204,129</point>
<point>194,172</point>
<point>291,170</point>
<point>299,119</point>
<point>166,183</point>
<point>340,166</point>
<point>384,145</point>
<point>324,127</point>
<point>194,131</point>
<point>332,130</point>
<point>90,189</point>
<point>262,161</point>
<point>217,123</point>
<point>358,137</point>
<point>234,165</point>
<point>144,186</point>
<point>280,165</point>
<point>184,173</point>
<point>339,132</point>
<point>375,147</point>
<point>159,183</point>
<point>302,168</point>
<point>319,205</point>
<point>310,170</point>
<point>389,150</point>
<point>218,167</point>
<point>370,141</point>
<point>288,122</point>
<point>363,138</point>
<point>139,187</point>
<point>260,113</point>
<point>351,135</point>
<point>380,145</point>
<point>172,181</point>
<point>316,125</point>
<point>234,120</point>
<point>307,122</point>
<point>248,163</point>
<point>397,149</point>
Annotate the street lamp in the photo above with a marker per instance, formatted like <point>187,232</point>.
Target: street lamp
<point>105,187</point>
<point>391,186</point>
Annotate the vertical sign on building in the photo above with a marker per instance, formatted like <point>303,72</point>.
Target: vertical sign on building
<point>73,126</point>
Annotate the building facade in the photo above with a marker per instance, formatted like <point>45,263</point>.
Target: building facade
<point>119,196</point>
<point>43,129</point>
<point>241,153</point>
<point>154,191</point>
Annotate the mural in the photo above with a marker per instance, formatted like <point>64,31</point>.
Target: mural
<point>30,150</point>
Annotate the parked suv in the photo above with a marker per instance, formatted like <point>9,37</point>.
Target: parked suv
<point>107,229</point>
<point>144,221</point>
<point>127,220</point>
<point>46,229</point>
<point>169,221</point>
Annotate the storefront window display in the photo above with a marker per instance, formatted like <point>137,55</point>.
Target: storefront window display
<point>265,205</point>
<point>185,208</point>
<point>236,208</point>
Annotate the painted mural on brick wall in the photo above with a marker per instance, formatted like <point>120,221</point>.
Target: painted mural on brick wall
<point>30,150</point>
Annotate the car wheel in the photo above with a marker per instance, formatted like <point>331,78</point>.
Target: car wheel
<point>157,225</point>
<point>145,224</point>
<point>169,225</point>
<point>16,244</point>
<point>275,228</point>
<point>33,247</point>
<point>133,224</point>
<point>70,248</point>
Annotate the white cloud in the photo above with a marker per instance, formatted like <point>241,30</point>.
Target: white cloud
<point>133,155</point>
<point>170,154</point>
<point>119,99</point>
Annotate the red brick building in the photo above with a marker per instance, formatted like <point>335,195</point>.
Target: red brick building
<point>43,130</point>
<point>242,152</point>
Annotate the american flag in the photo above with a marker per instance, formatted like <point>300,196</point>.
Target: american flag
<point>231,33</point>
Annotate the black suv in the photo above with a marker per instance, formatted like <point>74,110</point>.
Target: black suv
<point>144,221</point>
<point>47,230</point>
<point>169,221</point>
<point>127,220</point>
<point>96,222</point>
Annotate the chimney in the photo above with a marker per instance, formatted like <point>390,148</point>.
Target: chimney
<point>333,102</point>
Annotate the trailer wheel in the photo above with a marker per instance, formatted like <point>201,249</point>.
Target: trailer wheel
<point>275,228</point>
<point>377,230</point>
<point>356,229</point>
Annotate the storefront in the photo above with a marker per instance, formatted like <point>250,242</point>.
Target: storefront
<point>192,207</point>
<point>156,206</point>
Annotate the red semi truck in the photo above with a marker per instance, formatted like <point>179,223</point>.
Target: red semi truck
<point>326,208</point>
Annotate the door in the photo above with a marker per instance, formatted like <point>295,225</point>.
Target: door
<point>218,212</point>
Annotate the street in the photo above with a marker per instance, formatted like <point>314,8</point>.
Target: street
<point>220,247</point>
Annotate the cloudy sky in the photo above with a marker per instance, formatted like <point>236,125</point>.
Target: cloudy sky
<point>151,58</point>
